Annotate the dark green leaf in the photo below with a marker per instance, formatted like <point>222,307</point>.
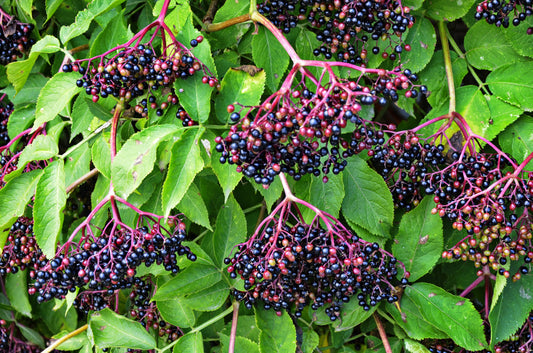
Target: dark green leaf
<point>238,86</point>
<point>31,90</point>
<point>519,39</point>
<point>446,10</point>
<point>419,242</point>
<point>191,342</point>
<point>115,33</point>
<point>85,17</point>
<point>352,314</point>
<point>508,84</point>
<point>310,340</point>
<point>101,156</point>
<point>16,194</point>
<point>176,312</point>
<point>486,48</point>
<point>51,7</point>
<point>109,329</point>
<point>31,335</point>
<point>77,164</point>
<point>209,299</point>
<point>185,163</point>
<point>230,229</point>
<point>518,140</point>
<point>21,119</point>
<point>313,189</point>
<point>17,292</point>
<point>50,200</point>
<point>136,158</point>
<point>511,309</point>
<point>265,47</point>
<point>193,207</point>
<point>191,280</point>
<point>278,334</point>
<point>272,194</point>
<point>454,315</point>
<point>55,96</point>
<point>370,203</point>
<point>422,38</point>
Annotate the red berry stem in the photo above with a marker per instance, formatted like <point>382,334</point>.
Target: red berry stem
<point>382,333</point>
<point>233,333</point>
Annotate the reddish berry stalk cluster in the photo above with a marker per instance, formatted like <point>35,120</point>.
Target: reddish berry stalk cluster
<point>298,265</point>
<point>298,129</point>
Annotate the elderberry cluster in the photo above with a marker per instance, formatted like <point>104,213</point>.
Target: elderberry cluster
<point>21,250</point>
<point>108,262</point>
<point>14,38</point>
<point>134,71</point>
<point>298,131</point>
<point>5,111</point>
<point>304,264</point>
<point>346,28</point>
<point>501,12</point>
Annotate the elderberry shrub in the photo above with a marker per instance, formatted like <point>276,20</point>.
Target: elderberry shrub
<point>503,12</point>
<point>14,38</point>
<point>298,130</point>
<point>109,261</point>
<point>346,28</point>
<point>305,264</point>
<point>21,250</point>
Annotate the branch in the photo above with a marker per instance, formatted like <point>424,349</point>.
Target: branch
<point>447,65</point>
<point>382,333</point>
<point>233,333</point>
<point>81,180</point>
<point>54,345</point>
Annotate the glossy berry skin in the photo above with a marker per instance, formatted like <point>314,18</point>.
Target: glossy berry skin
<point>14,39</point>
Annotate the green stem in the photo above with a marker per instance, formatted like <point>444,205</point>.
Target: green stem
<point>201,327</point>
<point>471,69</point>
<point>448,66</point>
<point>90,136</point>
<point>76,332</point>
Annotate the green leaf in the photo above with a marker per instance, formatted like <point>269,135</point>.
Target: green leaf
<point>242,344</point>
<point>278,334</point>
<point>419,242</point>
<point>77,164</point>
<point>101,156</point>
<point>435,82</point>
<point>55,96</point>
<point>193,95</point>
<point>193,207</point>
<point>413,4</point>
<point>191,342</point>
<point>31,90</point>
<point>26,6</point>
<point>85,17</point>
<point>43,147</point>
<point>81,116</point>
<point>31,335</point>
<point>501,115</point>
<point>20,119</point>
<point>517,36</point>
<point>202,51</point>
<point>265,47</point>
<point>310,340</point>
<point>512,308</point>
<point>176,312</point>
<point>508,83</point>
<point>313,190</point>
<point>446,10</point>
<point>16,194</point>
<point>499,286</point>
<point>423,39</point>
<point>51,7</point>
<point>193,279</point>
<point>226,174</point>
<point>136,158</point>
<point>306,43</point>
<point>454,315</point>
<point>185,163</point>
<point>370,203</point>
<point>17,292</point>
<point>272,194</point>
<point>230,229</point>
<point>50,200</point>
<point>109,329</point>
<point>414,347</point>
<point>115,33</point>
<point>238,86</point>
<point>518,140</point>
<point>209,299</point>
<point>486,48</point>
<point>352,314</point>
<point>73,343</point>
